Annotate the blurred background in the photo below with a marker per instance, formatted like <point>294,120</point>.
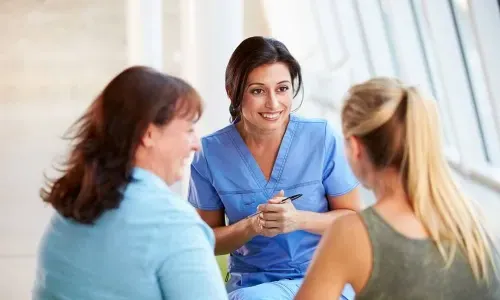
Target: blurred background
<point>56,56</point>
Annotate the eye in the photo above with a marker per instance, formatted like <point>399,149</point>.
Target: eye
<point>283,89</point>
<point>257,91</point>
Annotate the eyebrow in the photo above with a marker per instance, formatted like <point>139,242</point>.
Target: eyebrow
<point>258,83</point>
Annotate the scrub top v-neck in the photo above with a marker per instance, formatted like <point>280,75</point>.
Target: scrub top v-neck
<point>225,175</point>
<point>267,185</point>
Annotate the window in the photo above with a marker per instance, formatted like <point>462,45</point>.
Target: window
<point>379,45</point>
<point>477,84</point>
<point>389,27</point>
<point>434,73</point>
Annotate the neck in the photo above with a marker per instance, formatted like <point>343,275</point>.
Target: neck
<point>257,137</point>
<point>143,161</point>
<point>389,185</point>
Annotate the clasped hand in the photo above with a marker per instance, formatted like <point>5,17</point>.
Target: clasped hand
<point>276,217</point>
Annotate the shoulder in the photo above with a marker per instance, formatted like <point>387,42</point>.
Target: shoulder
<point>179,228</point>
<point>177,219</point>
<point>158,206</point>
<point>316,126</point>
<point>216,137</point>
<point>212,144</point>
<point>350,226</point>
<point>177,210</point>
<point>319,132</point>
<point>306,122</point>
<point>348,238</point>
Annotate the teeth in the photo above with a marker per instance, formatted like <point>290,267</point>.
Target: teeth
<point>271,116</point>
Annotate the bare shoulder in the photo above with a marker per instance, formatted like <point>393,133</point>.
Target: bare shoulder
<point>345,236</point>
<point>353,243</point>
<point>342,257</point>
<point>350,227</point>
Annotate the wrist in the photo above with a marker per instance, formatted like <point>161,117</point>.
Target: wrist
<point>301,219</point>
<point>250,229</point>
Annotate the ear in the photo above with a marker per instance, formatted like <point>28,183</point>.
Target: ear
<point>149,137</point>
<point>355,147</point>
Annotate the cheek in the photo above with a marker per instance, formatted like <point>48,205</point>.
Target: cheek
<point>185,145</point>
<point>286,99</point>
<point>173,149</point>
<point>251,104</point>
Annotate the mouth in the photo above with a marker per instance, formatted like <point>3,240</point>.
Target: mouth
<point>271,116</point>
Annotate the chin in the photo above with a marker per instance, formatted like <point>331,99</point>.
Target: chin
<point>179,176</point>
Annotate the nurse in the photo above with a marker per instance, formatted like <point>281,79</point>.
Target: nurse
<point>267,153</point>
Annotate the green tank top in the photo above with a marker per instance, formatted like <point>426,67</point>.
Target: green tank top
<point>405,268</point>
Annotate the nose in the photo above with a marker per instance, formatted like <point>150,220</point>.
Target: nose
<point>272,101</point>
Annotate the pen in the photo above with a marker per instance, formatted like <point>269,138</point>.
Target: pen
<point>291,198</point>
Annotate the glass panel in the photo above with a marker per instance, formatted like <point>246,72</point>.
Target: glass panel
<point>433,69</point>
<point>475,75</point>
<point>386,21</point>
<point>376,35</point>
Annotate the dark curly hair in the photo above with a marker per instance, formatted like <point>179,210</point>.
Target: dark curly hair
<point>106,138</point>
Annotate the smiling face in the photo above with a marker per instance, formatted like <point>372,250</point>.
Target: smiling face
<point>268,97</point>
<point>167,148</point>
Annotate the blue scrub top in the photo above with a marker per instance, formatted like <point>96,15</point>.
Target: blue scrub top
<point>310,161</point>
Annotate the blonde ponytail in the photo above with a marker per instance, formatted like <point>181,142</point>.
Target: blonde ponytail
<point>400,129</point>
<point>436,199</point>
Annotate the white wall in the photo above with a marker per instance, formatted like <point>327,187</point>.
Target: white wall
<point>55,56</point>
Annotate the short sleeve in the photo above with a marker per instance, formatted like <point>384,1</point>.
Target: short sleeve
<point>201,192</point>
<point>338,178</point>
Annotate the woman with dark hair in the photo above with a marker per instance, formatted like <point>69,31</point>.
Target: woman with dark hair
<point>118,231</point>
<point>267,153</point>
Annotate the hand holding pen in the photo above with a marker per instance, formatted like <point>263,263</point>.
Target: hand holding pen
<point>278,215</point>
<point>282,201</point>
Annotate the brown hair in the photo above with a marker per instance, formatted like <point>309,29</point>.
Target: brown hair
<point>107,136</point>
<point>251,53</point>
<point>399,128</point>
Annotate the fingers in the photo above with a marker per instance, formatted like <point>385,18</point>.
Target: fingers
<point>271,225</point>
<point>268,208</point>
<point>277,198</point>
<point>280,194</point>
<point>271,216</point>
<point>272,232</point>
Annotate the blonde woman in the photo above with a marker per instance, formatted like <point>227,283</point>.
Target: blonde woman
<point>422,239</point>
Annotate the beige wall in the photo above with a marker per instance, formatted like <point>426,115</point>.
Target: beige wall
<point>55,56</point>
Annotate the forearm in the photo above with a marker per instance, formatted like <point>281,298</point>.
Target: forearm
<point>232,237</point>
<point>318,222</point>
